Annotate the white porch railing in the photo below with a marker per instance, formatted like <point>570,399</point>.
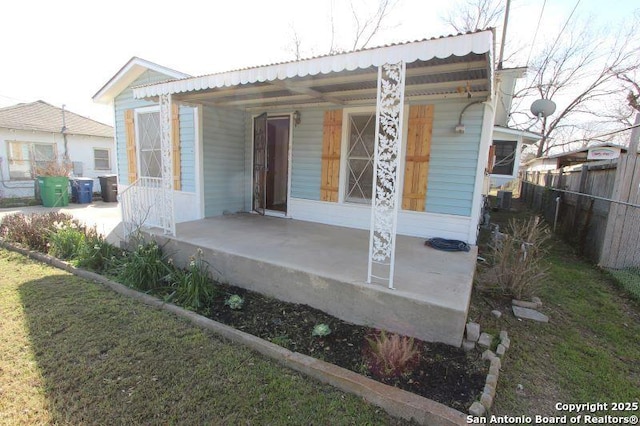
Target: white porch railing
<point>141,205</point>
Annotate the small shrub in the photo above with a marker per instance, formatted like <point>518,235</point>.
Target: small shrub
<point>321,330</point>
<point>282,340</point>
<point>194,288</point>
<point>145,268</point>
<point>95,254</point>
<point>391,355</point>
<point>234,302</point>
<point>32,231</point>
<point>66,240</point>
<point>517,259</point>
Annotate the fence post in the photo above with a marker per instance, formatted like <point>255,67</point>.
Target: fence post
<point>584,174</point>
<point>619,237</point>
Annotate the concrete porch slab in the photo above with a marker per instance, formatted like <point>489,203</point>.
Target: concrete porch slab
<point>326,267</point>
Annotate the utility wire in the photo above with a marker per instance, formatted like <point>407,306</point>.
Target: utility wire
<point>544,63</point>
<point>535,35</point>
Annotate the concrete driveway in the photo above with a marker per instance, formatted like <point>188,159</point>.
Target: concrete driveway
<point>106,217</point>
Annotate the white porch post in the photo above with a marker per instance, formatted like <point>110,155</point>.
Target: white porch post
<point>167,220</point>
<point>386,172</point>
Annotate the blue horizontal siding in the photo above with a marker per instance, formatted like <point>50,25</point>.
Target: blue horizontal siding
<point>187,149</point>
<point>306,166</point>
<point>224,160</point>
<point>452,169</point>
<point>454,158</point>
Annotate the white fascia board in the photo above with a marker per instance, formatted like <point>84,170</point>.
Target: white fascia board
<point>128,74</point>
<point>479,43</point>
<point>529,136</point>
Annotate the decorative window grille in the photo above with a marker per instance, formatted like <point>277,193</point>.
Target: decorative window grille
<point>149,146</point>
<point>360,158</point>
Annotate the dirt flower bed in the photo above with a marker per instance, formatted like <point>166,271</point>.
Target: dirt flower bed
<point>441,372</point>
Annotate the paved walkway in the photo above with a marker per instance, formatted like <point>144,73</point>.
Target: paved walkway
<point>106,217</point>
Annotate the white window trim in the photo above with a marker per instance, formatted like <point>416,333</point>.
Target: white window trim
<point>108,157</point>
<point>344,151</point>
<point>137,113</point>
<point>516,157</point>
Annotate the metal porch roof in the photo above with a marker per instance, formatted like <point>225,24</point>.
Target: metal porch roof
<point>459,65</point>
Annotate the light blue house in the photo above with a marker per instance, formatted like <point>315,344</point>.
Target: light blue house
<point>303,141</point>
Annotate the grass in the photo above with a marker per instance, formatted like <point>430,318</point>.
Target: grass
<point>73,352</point>
<point>629,279</point>
<point>13,202</point>
<point>589,350</point>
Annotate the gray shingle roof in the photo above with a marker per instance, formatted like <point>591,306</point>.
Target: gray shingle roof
<point>41,116</point>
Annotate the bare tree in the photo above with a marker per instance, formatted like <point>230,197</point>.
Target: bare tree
<point>579,71</point>
<point>475,15</point>
<point>296,43</point>
<point>364,24</point>
<point>367,26</point>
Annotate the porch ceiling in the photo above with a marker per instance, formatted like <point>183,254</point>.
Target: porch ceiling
<point>435,78</point>
<point>455,66</point>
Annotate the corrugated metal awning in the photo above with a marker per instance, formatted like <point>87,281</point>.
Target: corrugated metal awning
<point>455,65</point>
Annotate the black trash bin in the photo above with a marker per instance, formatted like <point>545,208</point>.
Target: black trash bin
<point>109,188</point>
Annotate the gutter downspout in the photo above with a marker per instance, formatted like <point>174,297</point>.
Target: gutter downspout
<point>63,131</point>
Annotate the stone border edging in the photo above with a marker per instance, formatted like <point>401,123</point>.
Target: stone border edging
<point>396,402</point>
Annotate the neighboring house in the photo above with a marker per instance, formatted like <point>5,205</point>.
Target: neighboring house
<point>506,149</point>
<point>296,140</point>
<point>32,134</point>
<point>598,152</point>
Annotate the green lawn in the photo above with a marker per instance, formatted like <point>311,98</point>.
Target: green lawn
<point>588,352</point>
<point>73,352</point>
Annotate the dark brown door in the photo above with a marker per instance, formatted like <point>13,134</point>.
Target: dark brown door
<point>259,163</point>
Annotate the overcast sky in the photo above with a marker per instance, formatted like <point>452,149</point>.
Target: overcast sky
<point>64,51</point>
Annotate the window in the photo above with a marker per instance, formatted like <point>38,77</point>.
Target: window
<point>101,159</point>
<point>505,155</point>
<point>359,159</point>
<point>26,157</point>
<point>148,132</point>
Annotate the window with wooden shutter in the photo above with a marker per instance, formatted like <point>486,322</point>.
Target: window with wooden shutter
<point>418,156</point>
<point>491,160</point>
<point>130,137</point>
<point>331,146</point>
<point>175,146</point>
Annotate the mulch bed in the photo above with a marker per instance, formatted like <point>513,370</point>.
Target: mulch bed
<point>442,372</point>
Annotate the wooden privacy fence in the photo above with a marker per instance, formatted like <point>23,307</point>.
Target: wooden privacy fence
<point>595,206</point>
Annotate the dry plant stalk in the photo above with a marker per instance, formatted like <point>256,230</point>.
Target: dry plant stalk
<point>392,354</point>
<point>517,257</point>
<point>53,168</point>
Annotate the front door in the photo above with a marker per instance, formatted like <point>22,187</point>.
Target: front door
<point>271,163</point>
<point>259,162</point>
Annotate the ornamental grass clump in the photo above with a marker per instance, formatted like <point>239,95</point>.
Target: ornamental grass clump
<point>96,254</point>
<point>516,256</point>
<point>194,288</point>
<point>146,268</point>
<point>66,239</point>
<point>391,355</point>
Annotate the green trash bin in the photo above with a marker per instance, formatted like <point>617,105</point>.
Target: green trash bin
<point>54,190</point>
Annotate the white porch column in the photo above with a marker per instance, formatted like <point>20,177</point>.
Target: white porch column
<point>168,219</point>
<point>386,172</point>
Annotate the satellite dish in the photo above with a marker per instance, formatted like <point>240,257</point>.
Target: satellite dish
<point>543,108</point>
